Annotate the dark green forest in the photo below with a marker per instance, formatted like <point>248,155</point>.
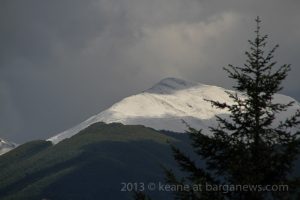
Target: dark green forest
<point>90,165</point>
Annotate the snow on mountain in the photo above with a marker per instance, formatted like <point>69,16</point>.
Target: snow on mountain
<point>6,146</point>
<point>165,105</point>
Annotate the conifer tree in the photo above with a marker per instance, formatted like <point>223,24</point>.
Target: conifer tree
<point>247,148</point>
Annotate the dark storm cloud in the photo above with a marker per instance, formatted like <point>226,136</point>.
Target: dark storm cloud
<point>64,60</point>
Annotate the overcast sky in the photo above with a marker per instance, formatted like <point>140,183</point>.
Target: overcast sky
<point>62,61</point>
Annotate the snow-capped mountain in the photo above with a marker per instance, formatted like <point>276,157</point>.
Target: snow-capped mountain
<point>165,105</point>
<point>6,146</point>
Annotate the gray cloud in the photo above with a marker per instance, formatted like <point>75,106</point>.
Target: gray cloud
<point>63,60</point>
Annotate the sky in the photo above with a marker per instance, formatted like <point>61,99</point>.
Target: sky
<point>62,61</point>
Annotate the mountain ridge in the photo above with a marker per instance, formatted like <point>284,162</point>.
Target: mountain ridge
<point>165,105</point>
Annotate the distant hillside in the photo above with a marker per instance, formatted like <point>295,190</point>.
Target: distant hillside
<point>91,165</point>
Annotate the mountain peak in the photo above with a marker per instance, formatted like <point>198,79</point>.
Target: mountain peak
<point>175,80</point>
<point>165,105</point>
<point>6,146</point>
<point>170,85</point>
